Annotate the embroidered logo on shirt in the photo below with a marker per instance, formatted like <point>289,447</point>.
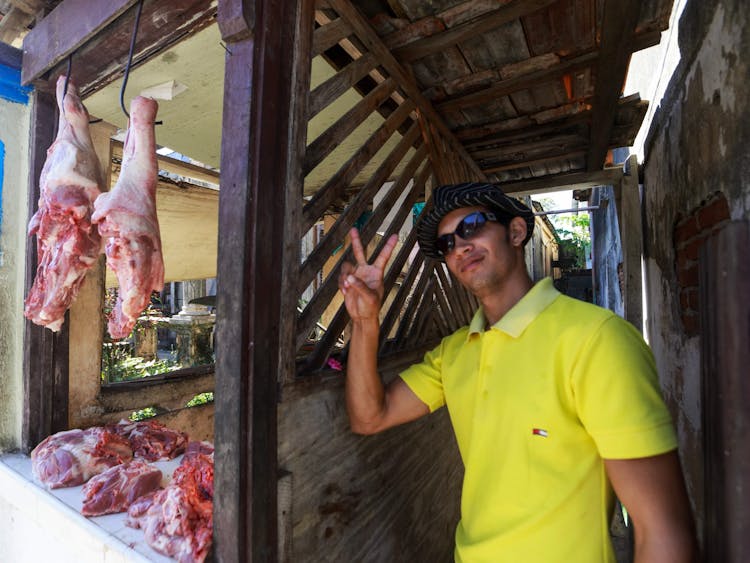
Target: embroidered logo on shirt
<point>539,432</point>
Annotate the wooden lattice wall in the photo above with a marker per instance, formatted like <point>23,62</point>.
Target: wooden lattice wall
<point>414,152</point>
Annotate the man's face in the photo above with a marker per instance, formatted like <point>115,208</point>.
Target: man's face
<point>483,263</point>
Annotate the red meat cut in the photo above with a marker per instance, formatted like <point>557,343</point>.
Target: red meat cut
<point>118,487</point>
<point>178,520</point>
<point>67,242</point>
<point>126,218</point>
<point>152,440</point>
<point>72,457</point>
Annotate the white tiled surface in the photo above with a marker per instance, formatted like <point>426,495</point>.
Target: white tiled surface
<point>41,525</point>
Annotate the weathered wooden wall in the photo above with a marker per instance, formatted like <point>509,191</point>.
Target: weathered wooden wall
<point>389,497</point>
<point>697,167</point>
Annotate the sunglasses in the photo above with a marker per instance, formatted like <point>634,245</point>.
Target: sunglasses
<point>469,227</point>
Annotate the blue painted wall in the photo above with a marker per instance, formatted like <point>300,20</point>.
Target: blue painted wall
<point>10,85</point>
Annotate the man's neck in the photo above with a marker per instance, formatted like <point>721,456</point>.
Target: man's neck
<point>502,300</point>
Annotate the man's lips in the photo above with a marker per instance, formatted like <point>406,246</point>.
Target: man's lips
<point>470,263</point>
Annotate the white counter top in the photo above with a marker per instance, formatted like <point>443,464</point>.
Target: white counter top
<point>61,528</point>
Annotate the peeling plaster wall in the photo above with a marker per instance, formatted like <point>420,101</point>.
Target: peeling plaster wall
<point>698,146</point>
<point>14,133</point>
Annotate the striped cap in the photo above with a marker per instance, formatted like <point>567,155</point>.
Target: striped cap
<point>469,194</point>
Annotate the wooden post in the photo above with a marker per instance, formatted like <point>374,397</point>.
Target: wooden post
<point>631,233</point>
<point>725,325</point>
<point>45,360</point>
<point>263,133</point>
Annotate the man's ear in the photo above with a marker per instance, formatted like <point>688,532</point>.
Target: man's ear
<point>517,229</point>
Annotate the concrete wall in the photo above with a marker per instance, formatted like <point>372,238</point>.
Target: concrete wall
<point>14,134</point>
<point>696,176</point>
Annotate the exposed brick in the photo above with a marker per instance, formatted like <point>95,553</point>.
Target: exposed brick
<point>683,261</point>
<point>713,212</point>
<point>691,323</point>
<point>684,299</point>
<point>692,248</point>
<point>693,296</point>
<point>688,277</point>
<point>685,230</point>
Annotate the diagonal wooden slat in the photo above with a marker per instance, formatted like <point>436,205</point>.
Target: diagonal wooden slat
<point>336,133</point>
<point>417,296</point>
<point>324,94</point>
<point>391,316</point>
<point>374,44</point>
<point>335,187</point>
<point>356,207</point>
<point>323,348</point>
<point>323,296</point>
<point>326,36</point>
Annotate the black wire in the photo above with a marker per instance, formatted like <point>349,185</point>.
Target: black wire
<point>130,58</point>
<point>67,76</point>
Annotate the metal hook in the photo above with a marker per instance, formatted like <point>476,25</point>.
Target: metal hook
<point>130,61</point>
<point>130,58</point>
<point>67,79</point>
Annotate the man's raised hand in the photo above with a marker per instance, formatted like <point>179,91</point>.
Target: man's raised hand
<point>362,283</point>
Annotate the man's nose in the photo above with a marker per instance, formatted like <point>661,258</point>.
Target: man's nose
<point>462,245</point>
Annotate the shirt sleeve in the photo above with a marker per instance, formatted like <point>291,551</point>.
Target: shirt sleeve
<point>425,379</point>
<point>617,394</point>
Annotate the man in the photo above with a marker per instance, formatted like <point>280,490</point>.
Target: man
<point>553,401</point>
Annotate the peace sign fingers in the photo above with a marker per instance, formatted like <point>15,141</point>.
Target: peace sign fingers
<point>359,252</point>
<point>385,254</point>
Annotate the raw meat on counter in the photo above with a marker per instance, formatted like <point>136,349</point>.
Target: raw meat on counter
<point>178,520</point>
<point>67,242</point>
<point>152,440</point>
<point>117,488</point>
<point>126,217</point>
<point>72,457</point>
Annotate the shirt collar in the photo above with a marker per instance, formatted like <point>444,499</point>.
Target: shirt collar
<point>520,316</point>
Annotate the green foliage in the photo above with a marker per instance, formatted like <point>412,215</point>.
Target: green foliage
<point>130,368</point>
<point>574,232</point>
<point>143,414</point>
<point>201,399</point>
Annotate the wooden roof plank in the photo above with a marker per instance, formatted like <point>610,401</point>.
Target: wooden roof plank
<point>525,81</point>
<point>618,38</point>
<point>507,13</point>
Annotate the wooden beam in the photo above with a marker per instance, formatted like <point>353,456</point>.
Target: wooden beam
<point>45,359</point>
<point>100,47</point>
<point>631,234</point>
<point>69,26</point>
<point>550,158</point>
<point>267,78</point>
<point>725,324</point>
<point>507,13</point>
<point>561,182</point>
<point>617,44</point>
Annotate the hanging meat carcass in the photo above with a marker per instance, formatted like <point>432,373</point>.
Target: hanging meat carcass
<point>67,242</point>
<point>126,217</point>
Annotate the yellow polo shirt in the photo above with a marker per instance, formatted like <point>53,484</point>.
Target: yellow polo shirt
<point>536,402</point>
